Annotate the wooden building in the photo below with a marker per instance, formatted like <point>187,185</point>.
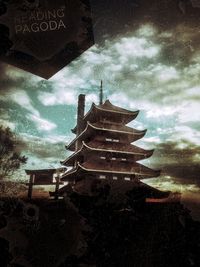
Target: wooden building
<point>103,147</point>
<point>103,151</point>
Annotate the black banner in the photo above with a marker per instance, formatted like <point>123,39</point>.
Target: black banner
<point>43,36</point>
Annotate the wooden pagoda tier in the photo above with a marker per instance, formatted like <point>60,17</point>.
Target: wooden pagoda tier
<point>107,131</point>
<point>112,151</point>
<point>102,147</point>
<point>108,112</point>
<point>131,171</point>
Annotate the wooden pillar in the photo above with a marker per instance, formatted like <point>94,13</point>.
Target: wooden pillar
<point>57,187</point>
<point>30,186</point>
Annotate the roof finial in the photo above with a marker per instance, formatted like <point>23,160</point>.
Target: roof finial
<point>101,94</point>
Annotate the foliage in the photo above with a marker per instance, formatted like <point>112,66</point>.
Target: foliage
<point>10,157</point>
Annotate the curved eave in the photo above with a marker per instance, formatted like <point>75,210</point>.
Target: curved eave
<point>69,173</point>
<point>138,133</point>
<point>112,109</point>
<point>118,112</point>
<point>147,154</point>
<point>149,175</point>
<point>73,173</point>
<point>99,108</point>
<point>74,130</point>
<point>91,110</point>
<point>131,131</point>
<point>141,155</point>
<point>69,147</point>
<point>152,173</point>
<point>64,162</point>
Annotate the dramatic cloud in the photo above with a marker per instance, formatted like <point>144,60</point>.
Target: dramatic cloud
<point>170,184</point>
<point>133,66</point>
<point>135,76</point>
<point>43,152</point>
<point>42,124</point>
<point>154,70</point>
<point>21,98</point>
<point>179,166</point>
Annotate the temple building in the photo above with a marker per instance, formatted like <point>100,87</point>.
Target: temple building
<point>103,147</point>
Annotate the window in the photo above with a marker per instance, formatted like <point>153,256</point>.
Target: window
<point>102,176</point>
<point>113,159</point>
<point>123,159</point>
<point>102,157</point>
<point>115,178</point>
<point>108,140</point>
<point>112,140</point>
<point>127,178</point>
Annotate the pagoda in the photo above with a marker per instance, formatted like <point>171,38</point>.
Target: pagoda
<point>103,148</point>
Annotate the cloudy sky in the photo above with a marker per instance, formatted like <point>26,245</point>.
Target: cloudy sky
<point>148,59</point>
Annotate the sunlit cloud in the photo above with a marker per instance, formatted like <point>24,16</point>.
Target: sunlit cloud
<point>21,98</point>
<point>152,139</point>
<point>169,183</point>
<point>58,98</point>
<point>132,47</point>
<point>147,30</point>
<point>42,124</point>
<point>190,112</point>
<point>157,112</point>
<point>186,133</point>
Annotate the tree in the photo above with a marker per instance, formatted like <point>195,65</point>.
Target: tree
<point>10,158</point>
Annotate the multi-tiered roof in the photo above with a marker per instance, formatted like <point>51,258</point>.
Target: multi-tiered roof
<point>103,146</point>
